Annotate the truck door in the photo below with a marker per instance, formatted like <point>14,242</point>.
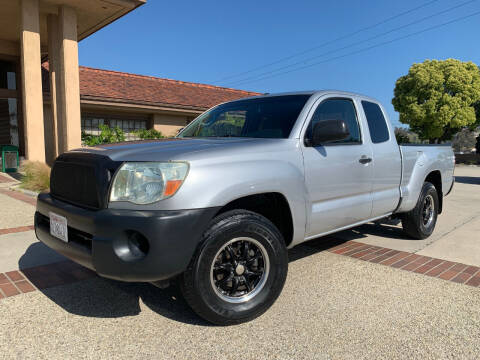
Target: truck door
<point>338,175</point>
<point>387,165</point>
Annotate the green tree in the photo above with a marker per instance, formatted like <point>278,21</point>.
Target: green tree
<point>436,98</point>
<point>477,115</point>
<point>464,140</point>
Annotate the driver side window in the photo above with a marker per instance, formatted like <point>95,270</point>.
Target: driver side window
<point>337,109</point>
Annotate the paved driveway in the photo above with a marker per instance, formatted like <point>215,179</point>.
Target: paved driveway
<point>333,306</point>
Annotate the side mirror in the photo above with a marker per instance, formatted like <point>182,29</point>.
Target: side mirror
<point>328,131</point>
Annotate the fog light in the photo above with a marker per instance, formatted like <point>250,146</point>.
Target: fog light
<point>134,246</point>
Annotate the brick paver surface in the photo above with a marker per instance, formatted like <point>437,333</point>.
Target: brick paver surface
<point>442,269</point>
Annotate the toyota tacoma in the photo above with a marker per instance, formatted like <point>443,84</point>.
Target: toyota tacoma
<point>217,207</point>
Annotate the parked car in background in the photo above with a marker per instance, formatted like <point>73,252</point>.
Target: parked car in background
<point>217,207</point>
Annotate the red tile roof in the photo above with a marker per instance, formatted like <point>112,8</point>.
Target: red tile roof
<point>106,85</point>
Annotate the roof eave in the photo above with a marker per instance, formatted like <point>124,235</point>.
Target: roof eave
<point>126,102</point>
<point>114,17</point>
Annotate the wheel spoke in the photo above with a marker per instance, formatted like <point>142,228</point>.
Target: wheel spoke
<point>224,267</point>
<point>230,252</point>
<point>247,284</point>
<point>257,256</point>
<point>225,280</point>
<point>235,284</point>
<point>251,273</point>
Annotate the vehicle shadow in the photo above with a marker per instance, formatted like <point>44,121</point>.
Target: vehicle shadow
<point>471,180</point>
<point>104,298</point>
<point>377,229</point>
<point>94,296</point>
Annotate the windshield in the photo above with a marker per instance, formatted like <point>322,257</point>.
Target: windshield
<point>268,117</point>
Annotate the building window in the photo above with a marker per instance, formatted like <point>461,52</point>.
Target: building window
<point>91,125</point>
<point>129,127</point>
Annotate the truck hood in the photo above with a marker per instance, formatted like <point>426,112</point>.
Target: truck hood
<point>173,149</point>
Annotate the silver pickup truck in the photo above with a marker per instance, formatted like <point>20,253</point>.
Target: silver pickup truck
<point>217,207</point>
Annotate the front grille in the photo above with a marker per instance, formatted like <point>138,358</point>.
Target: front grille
<point>75,183</point>
<point>82,179</point>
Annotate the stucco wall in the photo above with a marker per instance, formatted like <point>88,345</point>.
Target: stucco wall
<point>169,125</point>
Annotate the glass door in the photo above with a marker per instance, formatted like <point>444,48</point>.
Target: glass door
<point>8,104</point>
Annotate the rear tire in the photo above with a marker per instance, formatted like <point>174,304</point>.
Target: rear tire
<point>239,270</point>
<point>419,222</point>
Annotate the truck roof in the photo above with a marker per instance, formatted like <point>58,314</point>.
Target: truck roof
<point>312,92</point>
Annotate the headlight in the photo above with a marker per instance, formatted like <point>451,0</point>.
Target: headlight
<point>147,182</point>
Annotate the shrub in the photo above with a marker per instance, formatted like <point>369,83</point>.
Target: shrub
<point>145,134</point>
<point>36,176</point>
<point>107,135</point>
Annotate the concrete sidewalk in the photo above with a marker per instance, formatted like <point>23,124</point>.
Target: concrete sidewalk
<point>19,248</point>
<point>461,244</point>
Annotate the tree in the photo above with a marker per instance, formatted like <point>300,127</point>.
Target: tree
<point>464,140</point>
<point>476,106</point>
<point>436,98</point>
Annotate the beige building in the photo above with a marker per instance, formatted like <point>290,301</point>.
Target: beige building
<point>44,108</point>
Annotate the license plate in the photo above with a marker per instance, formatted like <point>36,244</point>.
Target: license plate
<point>58,226</point>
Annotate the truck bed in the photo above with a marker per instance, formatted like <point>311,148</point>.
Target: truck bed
<point>418,160</point>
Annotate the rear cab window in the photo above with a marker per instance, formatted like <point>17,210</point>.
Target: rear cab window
<point>377,125</point>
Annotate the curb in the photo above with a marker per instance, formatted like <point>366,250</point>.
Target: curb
<point>24,191</point>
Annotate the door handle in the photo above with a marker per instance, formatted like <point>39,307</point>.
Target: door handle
<point>364,159</point>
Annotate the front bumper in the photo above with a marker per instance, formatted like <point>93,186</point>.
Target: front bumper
<point>98,239</point>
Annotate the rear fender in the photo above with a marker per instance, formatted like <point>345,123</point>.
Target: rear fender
<point>411,190</point>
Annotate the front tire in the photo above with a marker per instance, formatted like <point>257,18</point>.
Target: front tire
<point>238,271</point>
<point>420,222</point>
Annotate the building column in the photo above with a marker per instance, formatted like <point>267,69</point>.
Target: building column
<point>53,68</point>
<point>67,82</point>
<point>32,98</point>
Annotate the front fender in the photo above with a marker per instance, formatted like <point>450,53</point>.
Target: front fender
<point>218,184</point>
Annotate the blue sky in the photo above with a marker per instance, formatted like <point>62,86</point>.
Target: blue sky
<point>207,41</point>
